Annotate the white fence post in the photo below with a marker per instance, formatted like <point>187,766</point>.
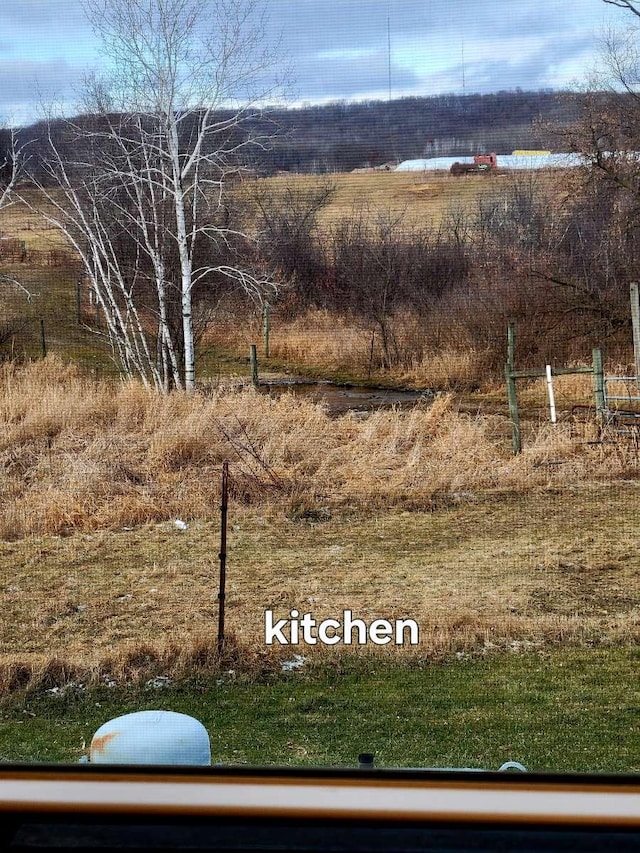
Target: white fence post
<point>552,399</point>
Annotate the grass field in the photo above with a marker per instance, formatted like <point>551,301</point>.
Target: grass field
<point>423,199</point>
<point>521,572</point>
<point>19,222</point>
<point>567,710</point>
<point>42,313</point>
<point>432,352</point>
<point>423,513</point>
<point>479,576</point>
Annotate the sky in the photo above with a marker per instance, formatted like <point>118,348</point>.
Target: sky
<point>337,50</point>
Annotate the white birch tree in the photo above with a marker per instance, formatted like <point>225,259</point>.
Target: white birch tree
<point>153,158</point>
<point>11,163</point>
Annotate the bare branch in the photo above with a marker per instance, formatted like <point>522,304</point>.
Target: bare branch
<point>11,167</point>
<point>9,279</point>
<point>630,5</point>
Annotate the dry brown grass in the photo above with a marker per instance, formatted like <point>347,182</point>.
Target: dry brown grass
<point>322,337</point>
<point>448,369</point>
<point>316,340</point>
<point>423,198</point>
<point>23,224</point>
<point>572,389</point>
<point>323,341</point>
<point>79,455</point>
<point>479,575</point>
<point>423,512</point>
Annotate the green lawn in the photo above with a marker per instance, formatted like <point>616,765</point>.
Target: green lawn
<point>570,709</point>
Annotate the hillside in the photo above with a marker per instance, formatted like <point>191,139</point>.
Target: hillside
<point>339,137</point>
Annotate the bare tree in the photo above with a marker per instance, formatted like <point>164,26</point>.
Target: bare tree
<point>149,166</point>
<point>11,163</point>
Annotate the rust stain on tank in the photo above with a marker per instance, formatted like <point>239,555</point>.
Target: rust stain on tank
<point>98,744</point>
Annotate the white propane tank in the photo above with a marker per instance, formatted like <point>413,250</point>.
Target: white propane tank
<point>151,737</point>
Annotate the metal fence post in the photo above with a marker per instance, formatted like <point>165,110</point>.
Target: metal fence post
<point>512,396</point>
<point>266,312</point>
<point>253,360</point>
<point>598,383</point>
<point>222,556</point>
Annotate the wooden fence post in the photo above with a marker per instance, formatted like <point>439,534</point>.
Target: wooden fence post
<point>513,409</point>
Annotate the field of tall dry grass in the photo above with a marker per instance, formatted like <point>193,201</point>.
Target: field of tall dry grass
<point>80,454</point>
<point>321,342</point>
<point>422,512</point>
<point>417,197</point>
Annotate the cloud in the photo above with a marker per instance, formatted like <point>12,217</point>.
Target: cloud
<point>343,76</point>
<point>26,84</point>
<point>428,40</point>
<point>38,13</point>
<point>338,49</point>
<point>532,63</point>
<point>44,29</point>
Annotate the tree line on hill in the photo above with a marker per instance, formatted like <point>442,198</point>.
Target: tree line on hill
<point>342,136</point>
